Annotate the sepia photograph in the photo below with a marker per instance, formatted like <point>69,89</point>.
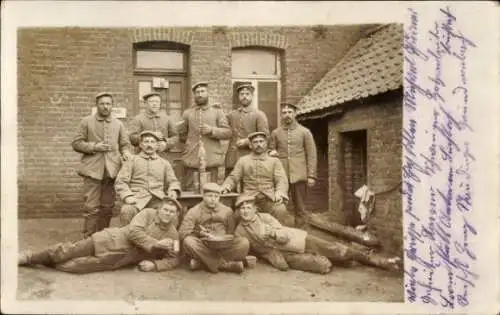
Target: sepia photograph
<point>138,145</point>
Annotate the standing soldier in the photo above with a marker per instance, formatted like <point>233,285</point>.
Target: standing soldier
<point>295,147</point>
<point>243,121</point>
<point>154,120</point>
<point>103,141</point>
<point>202,128</point>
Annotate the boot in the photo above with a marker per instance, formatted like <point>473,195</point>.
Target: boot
<point>232,266</point>
<point>28,258</point>
<point>90,223</point>
<point>276,259</point>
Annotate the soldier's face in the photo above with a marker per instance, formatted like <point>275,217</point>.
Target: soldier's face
<point>247,211</point>
<point>245,97</point>
<point>258,144</point>
<point>288,115</point>
<point>104,105</point>
<point>201,95</point>
<point>167,213</point>
<point>211,199</point>
<point>153,103</point>
<point>148,145</point>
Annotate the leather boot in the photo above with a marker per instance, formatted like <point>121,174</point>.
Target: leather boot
<point>29,257</point>
<point>90,223</point>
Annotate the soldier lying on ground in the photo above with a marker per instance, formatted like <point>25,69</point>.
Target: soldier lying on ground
<point>284,247</point>
<point>212,218</point>
<point>150,240</point>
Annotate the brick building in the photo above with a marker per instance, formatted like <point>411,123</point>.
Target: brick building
<point>61,69</point>
<point>355,114</point>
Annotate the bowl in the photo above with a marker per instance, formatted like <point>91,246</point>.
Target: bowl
<point>219,241</point>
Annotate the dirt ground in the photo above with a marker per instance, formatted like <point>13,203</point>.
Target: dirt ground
<point>261,284</point>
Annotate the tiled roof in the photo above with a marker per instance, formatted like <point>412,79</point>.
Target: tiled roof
<point>372,66</point>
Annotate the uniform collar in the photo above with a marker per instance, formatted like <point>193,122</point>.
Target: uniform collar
<point>100,118</point>
<point>261,157</point>
<point>151,115</point>
<point>246,109</point>
<point>292,126</point>
<point>249,222</point>
<point>148,157</point>
<point>209,210</point>
<point>204,107</point>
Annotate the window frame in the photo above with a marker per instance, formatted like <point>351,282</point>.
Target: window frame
<point>277,55</point>
<point>161,46</point>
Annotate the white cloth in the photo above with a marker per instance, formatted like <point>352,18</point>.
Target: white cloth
<point>366,202</point>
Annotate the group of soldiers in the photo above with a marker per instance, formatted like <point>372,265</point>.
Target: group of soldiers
<point>154,233</point>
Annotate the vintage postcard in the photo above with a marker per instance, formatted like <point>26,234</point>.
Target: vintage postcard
<point>250,157</point>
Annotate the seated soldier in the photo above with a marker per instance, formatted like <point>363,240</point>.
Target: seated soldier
<point>151,241</point>
<point>263,177</point>
<point>145,179</point>
<point>212,218</point>
<point>286,247</point>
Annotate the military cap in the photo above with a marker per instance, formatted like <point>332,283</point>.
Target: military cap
<point>148,95</point>
<point>242,199</point>
<point>211,187</point>
<point>101,94</point>
<point>256,134</point>
<point>158,136</point>
<point>197,84</point>
<point>245,86</point>
<point>172,200</point>
<point>283,105</point>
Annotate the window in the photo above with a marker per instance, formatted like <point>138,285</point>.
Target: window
<point>161,66</point>
<point>261,68</point>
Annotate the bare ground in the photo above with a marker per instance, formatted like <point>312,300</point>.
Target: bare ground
<point>264,283</point>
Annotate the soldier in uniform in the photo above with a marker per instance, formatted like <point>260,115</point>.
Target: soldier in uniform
<point>244,121</point>
<point>211,217</point>
<point>151,241</point>
<point>145,179</point>
<point>263,177</point>
<point>104,142</point>
<point>294,145</point>
<point>154,120</point>
<point>202,129</point>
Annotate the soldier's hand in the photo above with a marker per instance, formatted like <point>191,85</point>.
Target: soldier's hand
<point>241,143</point>
<point>205,129</point>
<point>130,200</point>
<point>273,153</point>
<point>278,198</point>
<point>172,194</point>
<point>102,147</point>
<point>126,156</point>
<point>225,190</point>
<point>146,266</point>
<point>162,146</point>
<point>166,243</point>
<point>311,182</point>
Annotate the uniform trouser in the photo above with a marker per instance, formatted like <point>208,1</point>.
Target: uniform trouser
<point>127,212</point>
<point>189,173</point>
<point>195,248</point>
<point>298,194</point>
<point>99,198</point>
<point>276,209</point>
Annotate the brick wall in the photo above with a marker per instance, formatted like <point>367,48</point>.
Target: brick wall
<point>381,116</point>
<point>61,69</point>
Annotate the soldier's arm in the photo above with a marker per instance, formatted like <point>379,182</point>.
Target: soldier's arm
<point>137,230</point>
<point>188,223</point>
<point>222,130</point>
<point>311,154</point>
<point>262,123</point>
<point>173,137</point>
<point>273,141</point>
<point>170,261</point>
<point>171,181</point>
<point>280,179</point>
<point>234,177</point>
<point>183,128</point>
<point>123,140</point>
<point>122,181</point>
<point>80,142</point>
<point>135,128</point>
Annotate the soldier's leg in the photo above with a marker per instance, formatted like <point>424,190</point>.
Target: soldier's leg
<point>195,248</point>
<point>308,262</point>
<point>91,207</point>
<point>280,212</point>
<point>108,198</point>
<point>58,253</point>
<point>337,253</point>
<point>238,251</point>
<point>299,193</point>
<point>127,213</point>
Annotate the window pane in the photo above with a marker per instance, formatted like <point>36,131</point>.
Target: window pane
<point>268,102</point>
<point>254,62</point>
<point>174,91</point>
<point>160,60</point>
